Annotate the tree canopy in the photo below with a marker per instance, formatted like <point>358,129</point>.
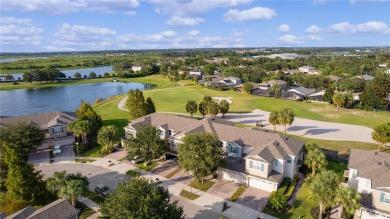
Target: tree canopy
<point>140,198</point>
<point>147,144</point>
<point>286,117</point>
<point>247,88</point>
<point>106,136</point>
<point>191,107</point>
<point>381,134</point>
<point>201,154</point>
<point>224,107</point>
<point>315,158</point>
<point>86,112</point>
<point>149,106</point>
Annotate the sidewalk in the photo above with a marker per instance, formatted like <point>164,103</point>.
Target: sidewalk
<point>206,200</point>
<point>94,206</point>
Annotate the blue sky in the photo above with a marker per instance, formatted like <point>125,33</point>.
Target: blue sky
<point>84,25</point>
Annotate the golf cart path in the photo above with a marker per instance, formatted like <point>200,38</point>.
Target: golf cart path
<point>307,128</point>
<point>301,127</point>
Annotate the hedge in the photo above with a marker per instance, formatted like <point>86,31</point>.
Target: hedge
<point>283,187</point>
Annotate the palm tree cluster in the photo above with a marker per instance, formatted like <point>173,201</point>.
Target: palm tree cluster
<point>207,106</point>
<point>283,117</point>
<point>68,186</point>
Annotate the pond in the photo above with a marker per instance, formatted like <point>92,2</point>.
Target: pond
<point>65,98</point>
<point>82,71</point>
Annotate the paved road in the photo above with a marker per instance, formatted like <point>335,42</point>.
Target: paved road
<point>307,127</point>
<point>98,174</point>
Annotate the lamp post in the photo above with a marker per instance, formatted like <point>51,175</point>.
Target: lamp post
<point>77,148</point>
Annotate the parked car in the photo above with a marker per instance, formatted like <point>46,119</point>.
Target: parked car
<point>102,190</point>
<point>137,160</point>
<point>57,149</point>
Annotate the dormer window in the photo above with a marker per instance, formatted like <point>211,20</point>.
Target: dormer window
<point>170,132</point>
<point>234,150</point>
<point>58,130</point>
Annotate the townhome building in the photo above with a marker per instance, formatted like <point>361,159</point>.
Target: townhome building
<point>257,158</point>
<point>53,124</point>
<point>369,174</point>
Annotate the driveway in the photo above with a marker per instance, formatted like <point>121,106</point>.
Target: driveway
<point>223,188</point>
<point>164,168</point>
<point>95,174</point>
<point>182,176</point>
<point>307,127</point>
<point>67,153</point>
<point>253,198</point>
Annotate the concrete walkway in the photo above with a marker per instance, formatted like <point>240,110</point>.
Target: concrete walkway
<point>94,206</point>
<point>206,200</point>
<point>307,127</point>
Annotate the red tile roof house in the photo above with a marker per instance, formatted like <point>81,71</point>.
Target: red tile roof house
<point>54,124</point>
<point>261,159</point>
<point>369,174</point>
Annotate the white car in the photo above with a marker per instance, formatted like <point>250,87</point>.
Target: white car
<point>57,150</point>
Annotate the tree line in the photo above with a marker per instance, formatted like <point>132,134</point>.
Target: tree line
<point>208,106</point>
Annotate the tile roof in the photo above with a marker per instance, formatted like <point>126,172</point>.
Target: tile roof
<point>371,165</point>
<point>43,120</point>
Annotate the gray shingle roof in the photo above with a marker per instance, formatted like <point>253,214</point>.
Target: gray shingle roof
<point>302,90</point>
<point>43,120</point>
<point>371,165</point>
<point>22,214</point>
<point>57,209</point>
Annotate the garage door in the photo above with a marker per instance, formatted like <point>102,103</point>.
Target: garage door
<point>63,141</point>
<point>367,214</point>
<point>231,176</point>
<point>261,184</point>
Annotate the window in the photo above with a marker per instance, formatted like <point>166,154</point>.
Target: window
<point>256,165</point>
<point>169,132</point>
<point>234,150</point>
<point>276,163</point>
<point>288,160</point>
<point>58,130</point>
<point>385,197</point>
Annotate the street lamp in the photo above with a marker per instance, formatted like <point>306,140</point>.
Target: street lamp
<point>77,148</point>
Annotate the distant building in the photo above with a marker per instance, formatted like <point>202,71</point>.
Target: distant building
<point>307,69</point>
<point>365,77</point>
<point>224,82</point>
<point>196,73</point>
<point>297,93</point>
<point>136,67</point>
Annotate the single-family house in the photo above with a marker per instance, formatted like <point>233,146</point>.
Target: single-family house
<point>256,158</point>
<point>136,67</point>
<point>291,71</point>
<point>196,73</point>
<point>307,69</point>
<point>224,82</point>
<point>268,84</point>
<point>60,208</point>
<point>53,124</point>
<point>240,87</point>
<point>317,97</point>
<point>384,65</point>
<point>369,174</point>
<point>297,93</point>
<point>334,78</point>
<point>365,77</point>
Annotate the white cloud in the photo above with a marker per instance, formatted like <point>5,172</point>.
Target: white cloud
<point>367,27</point>
<point>183,21</point>
<point>357,1</point>
<point>237,34</point>
<point>12,20</point>
<point>193,7</point>
<point>69,6</point>
<point>284,28</point>
<point>193,33</point>
<point>19,32</point>
<point>256,13</point>
<point>313,29</point>
<point>291,40</point>
<point>168,33</point>
<point>314,37</point>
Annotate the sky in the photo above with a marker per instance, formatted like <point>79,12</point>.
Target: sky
<point>91,25</point>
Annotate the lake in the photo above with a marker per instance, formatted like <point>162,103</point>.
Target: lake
<point>64,98</point>
<point>82,71</point>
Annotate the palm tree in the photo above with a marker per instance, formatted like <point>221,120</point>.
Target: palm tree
<point>315,158</point>
<point>81,128</point>
<point>68,186</point>
<point>191,107</point>
<point>107,135</point>
<point>349,199</point>
<point>324,188</point>
<point>274,119</point>
<point>276,89</point>
<point>286,117</point>
<point>381,134</point>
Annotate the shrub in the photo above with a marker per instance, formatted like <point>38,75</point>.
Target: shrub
<point>277,201</point>
<point>284,186</point>
<point>98,100</point>
<point>291,188</point>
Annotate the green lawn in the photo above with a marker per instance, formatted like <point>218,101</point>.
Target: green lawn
<point>83,160</point>
<point>201,186</point>
<point>133,173</point>
<point>337,167</point>
<point>172,173</point>
<point>189,195</point>
<point>94,152</point>
<point>94,197</point>
<point>148,167</point>
<point>237,193</point>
